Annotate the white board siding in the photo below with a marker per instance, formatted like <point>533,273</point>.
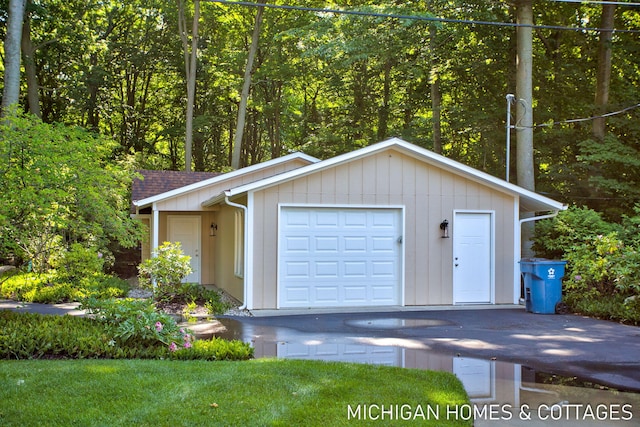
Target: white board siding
<point>339,257</point>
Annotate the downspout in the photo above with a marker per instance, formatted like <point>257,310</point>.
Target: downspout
<point>538,218</point>
<point>245,248</point>
<point>516,299</point>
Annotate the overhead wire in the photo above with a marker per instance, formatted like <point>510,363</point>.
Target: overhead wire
<point>585,119</point>
<point>415,17</point>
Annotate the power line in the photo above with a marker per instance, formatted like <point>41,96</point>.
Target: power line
<point>586,119</point>
<point>415,17</point>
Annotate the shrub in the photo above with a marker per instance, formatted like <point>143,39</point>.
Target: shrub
<point>77,262</point>
<point>165,270</point>
<point>36,336</point>
<point>602,266</point>
<point>136,320</point>
<point>215,349</point>
<point>554,237</point>
<point>195,293</point>
<point>50,288</point>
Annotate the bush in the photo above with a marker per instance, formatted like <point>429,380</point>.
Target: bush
<point>77,262</point>
<point>601,266</point>
<point>554,237</point>
<point>611,308</point>
<point>193,293</point>
<point>165,270</point>
<point>136,320</point>
<point>215,349</point>
<point>50,288</point>
<point>36,336</point>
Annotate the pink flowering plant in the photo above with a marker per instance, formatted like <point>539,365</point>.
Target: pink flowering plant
<point>138,320</point>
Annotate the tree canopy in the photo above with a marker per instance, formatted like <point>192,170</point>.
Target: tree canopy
<point>327,83</point>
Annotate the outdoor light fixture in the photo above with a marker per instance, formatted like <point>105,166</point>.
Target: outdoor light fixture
<point>444,226</point>
<point>213,229</point>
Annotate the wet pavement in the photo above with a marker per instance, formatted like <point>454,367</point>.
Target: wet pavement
<point>604,352</point>
<point>564,368</point>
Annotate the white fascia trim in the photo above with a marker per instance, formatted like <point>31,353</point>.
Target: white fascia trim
<point>155,232</point>
<point>224,176</point>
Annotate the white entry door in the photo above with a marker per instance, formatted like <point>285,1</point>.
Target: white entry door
<point>339,257</point>
<point>477,377</point>
<point>186,230</point>
<point>472,258</point>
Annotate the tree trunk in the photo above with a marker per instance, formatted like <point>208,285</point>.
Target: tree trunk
<point>11,91</point>
<point>436,95</point>
<point>244,97</point>
<point>604,69</point>
<point>28,59</point>
<point>190,62</point>
<point>383,112</point>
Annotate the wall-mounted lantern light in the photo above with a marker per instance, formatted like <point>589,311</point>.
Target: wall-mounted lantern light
<point>444,226</point>
<point>213,229</point>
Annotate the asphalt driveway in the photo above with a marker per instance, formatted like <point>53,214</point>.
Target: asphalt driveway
<point>604,352</point>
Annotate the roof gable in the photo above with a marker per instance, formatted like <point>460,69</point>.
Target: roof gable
<point>196,184</point>
<point>154,182</point>
<point>529,200</point>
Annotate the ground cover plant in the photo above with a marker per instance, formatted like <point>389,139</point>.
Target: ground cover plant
<point>144,335</point>
<point>602,277</point>
<point>259,392</point>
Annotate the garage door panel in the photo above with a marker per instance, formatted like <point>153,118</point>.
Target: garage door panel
<point>344,257</point>
<point>297,244</point>
<point>328,269</point>
<point>383,293</point>
<point>298,294</point>
<point>355,244</point>
<point>355,219</point>
<point>327,244</point>
<point>326,294</point>
<point>355,294</point>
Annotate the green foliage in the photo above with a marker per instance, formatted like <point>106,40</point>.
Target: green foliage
<point>192,293</point>
<point>603,266</point>
<point>215,349</point>
<point>35,336</point>
<point>574,226</point>
<point>77,262</point>
<point>612,307</point>
<point>136,320</point>
<point>165,270</point>
<point>603,262</point>
<point>52,288</point>
<point>60,184</point>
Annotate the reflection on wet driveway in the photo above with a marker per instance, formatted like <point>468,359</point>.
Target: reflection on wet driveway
<point>494,375</point>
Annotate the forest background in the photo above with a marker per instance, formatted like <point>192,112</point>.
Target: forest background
<point>326,83</point>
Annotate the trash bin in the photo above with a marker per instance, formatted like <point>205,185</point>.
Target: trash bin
<point>542,284</point>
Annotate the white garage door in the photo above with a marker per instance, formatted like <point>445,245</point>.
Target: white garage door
<point>339,257</point>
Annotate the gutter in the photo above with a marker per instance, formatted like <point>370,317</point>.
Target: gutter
<point>245,246</point>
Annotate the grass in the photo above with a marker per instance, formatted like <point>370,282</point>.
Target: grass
<point>262,392</point>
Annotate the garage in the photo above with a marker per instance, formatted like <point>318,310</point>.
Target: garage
<point>339,257</point>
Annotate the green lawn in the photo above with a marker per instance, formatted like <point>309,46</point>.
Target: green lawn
<point>262,392</point>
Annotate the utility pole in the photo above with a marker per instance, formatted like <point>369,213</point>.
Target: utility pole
<point>524,111</point>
